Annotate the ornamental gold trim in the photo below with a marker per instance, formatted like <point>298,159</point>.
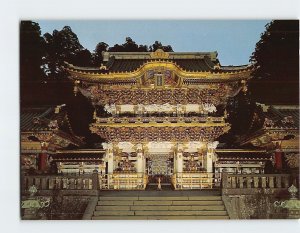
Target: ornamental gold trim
<point>213,76</point>
<point>158,125</point>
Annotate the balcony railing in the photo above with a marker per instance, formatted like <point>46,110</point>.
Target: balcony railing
<point>123,181</point>
<point>197,180</point>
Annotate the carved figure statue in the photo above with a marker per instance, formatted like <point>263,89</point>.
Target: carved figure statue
<point>159,184</point>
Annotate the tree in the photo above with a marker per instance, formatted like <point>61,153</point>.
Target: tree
<point>276,62</point>
<point>97,56</point>
<point>128,46</point>
<point>132,46</point>
<point>275,77</point>
<point>158,45</point>
<point>61,46</point>
<point>32,51</point>
<point>81,58</point>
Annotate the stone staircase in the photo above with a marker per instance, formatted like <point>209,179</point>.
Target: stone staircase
<point>159,208</point>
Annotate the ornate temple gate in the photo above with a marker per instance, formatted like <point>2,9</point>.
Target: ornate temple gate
<point>160,118</point>
<point>159,165</point>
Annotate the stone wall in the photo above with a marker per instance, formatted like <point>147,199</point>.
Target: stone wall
<point>69,205</point>
<point>258,205</point>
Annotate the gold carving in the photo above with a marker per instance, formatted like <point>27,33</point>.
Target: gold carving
<point>159,53</point>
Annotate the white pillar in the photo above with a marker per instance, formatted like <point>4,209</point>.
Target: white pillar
<point>175,163</point>
<point>179,160</point>
<point>208,161</point>
<point>140,163</point>
<point>209,158</point>
<point>109,157</point>
<point>110,162</point>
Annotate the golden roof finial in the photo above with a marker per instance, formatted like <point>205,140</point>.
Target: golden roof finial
<point>159,53</point>
<point>102,67</point>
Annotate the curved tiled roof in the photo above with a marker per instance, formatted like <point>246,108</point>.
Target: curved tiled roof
<point>278,115</point>
<point>124,65</point>
<point>33,119</point>
<point>242,155</point>
<point>129,62</point>
<point>79,155</point>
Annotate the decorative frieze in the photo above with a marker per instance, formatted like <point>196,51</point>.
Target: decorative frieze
<point>164,133</point>
<point>123,96</point>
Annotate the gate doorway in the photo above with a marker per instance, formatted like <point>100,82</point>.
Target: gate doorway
<point>160,166</point>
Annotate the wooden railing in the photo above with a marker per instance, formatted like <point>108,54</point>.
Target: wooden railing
<point>123,181</point>
<point>242,181</point>
<point>61,182</point>
<point>197,180</point>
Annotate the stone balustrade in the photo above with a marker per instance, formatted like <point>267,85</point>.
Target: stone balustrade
<point>237,183</point>
<point>61,182</point>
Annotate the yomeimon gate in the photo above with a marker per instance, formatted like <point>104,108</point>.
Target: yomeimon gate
<point>160,114</point>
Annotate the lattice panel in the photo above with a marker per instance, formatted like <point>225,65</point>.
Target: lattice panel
<point>160,166</point>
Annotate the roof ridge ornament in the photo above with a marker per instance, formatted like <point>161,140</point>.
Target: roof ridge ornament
<point>102,67</point>
<point>159,53</point>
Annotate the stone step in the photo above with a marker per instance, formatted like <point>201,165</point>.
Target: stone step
<point>181,213</point>
<point>158,202</point>
<point>115,203</point>
<point>113,207</point>
<point>182,198</point>
<point>197,203</point>
<point>171,208</point>
<point>117,198</point>
<point>155,207</point>
<point>113,212</point>
<point>179,217</point>
<point>160,213</point>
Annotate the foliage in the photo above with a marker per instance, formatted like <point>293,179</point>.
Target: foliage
<point>97,56</point>
<point>158,45</point>
<point>32,51</point>
<point>276,62</point>
<point>45,56</point>
<point>128,46</point>
<point>62,46</point>
<point>275,78</point>
<point>242,116</point>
